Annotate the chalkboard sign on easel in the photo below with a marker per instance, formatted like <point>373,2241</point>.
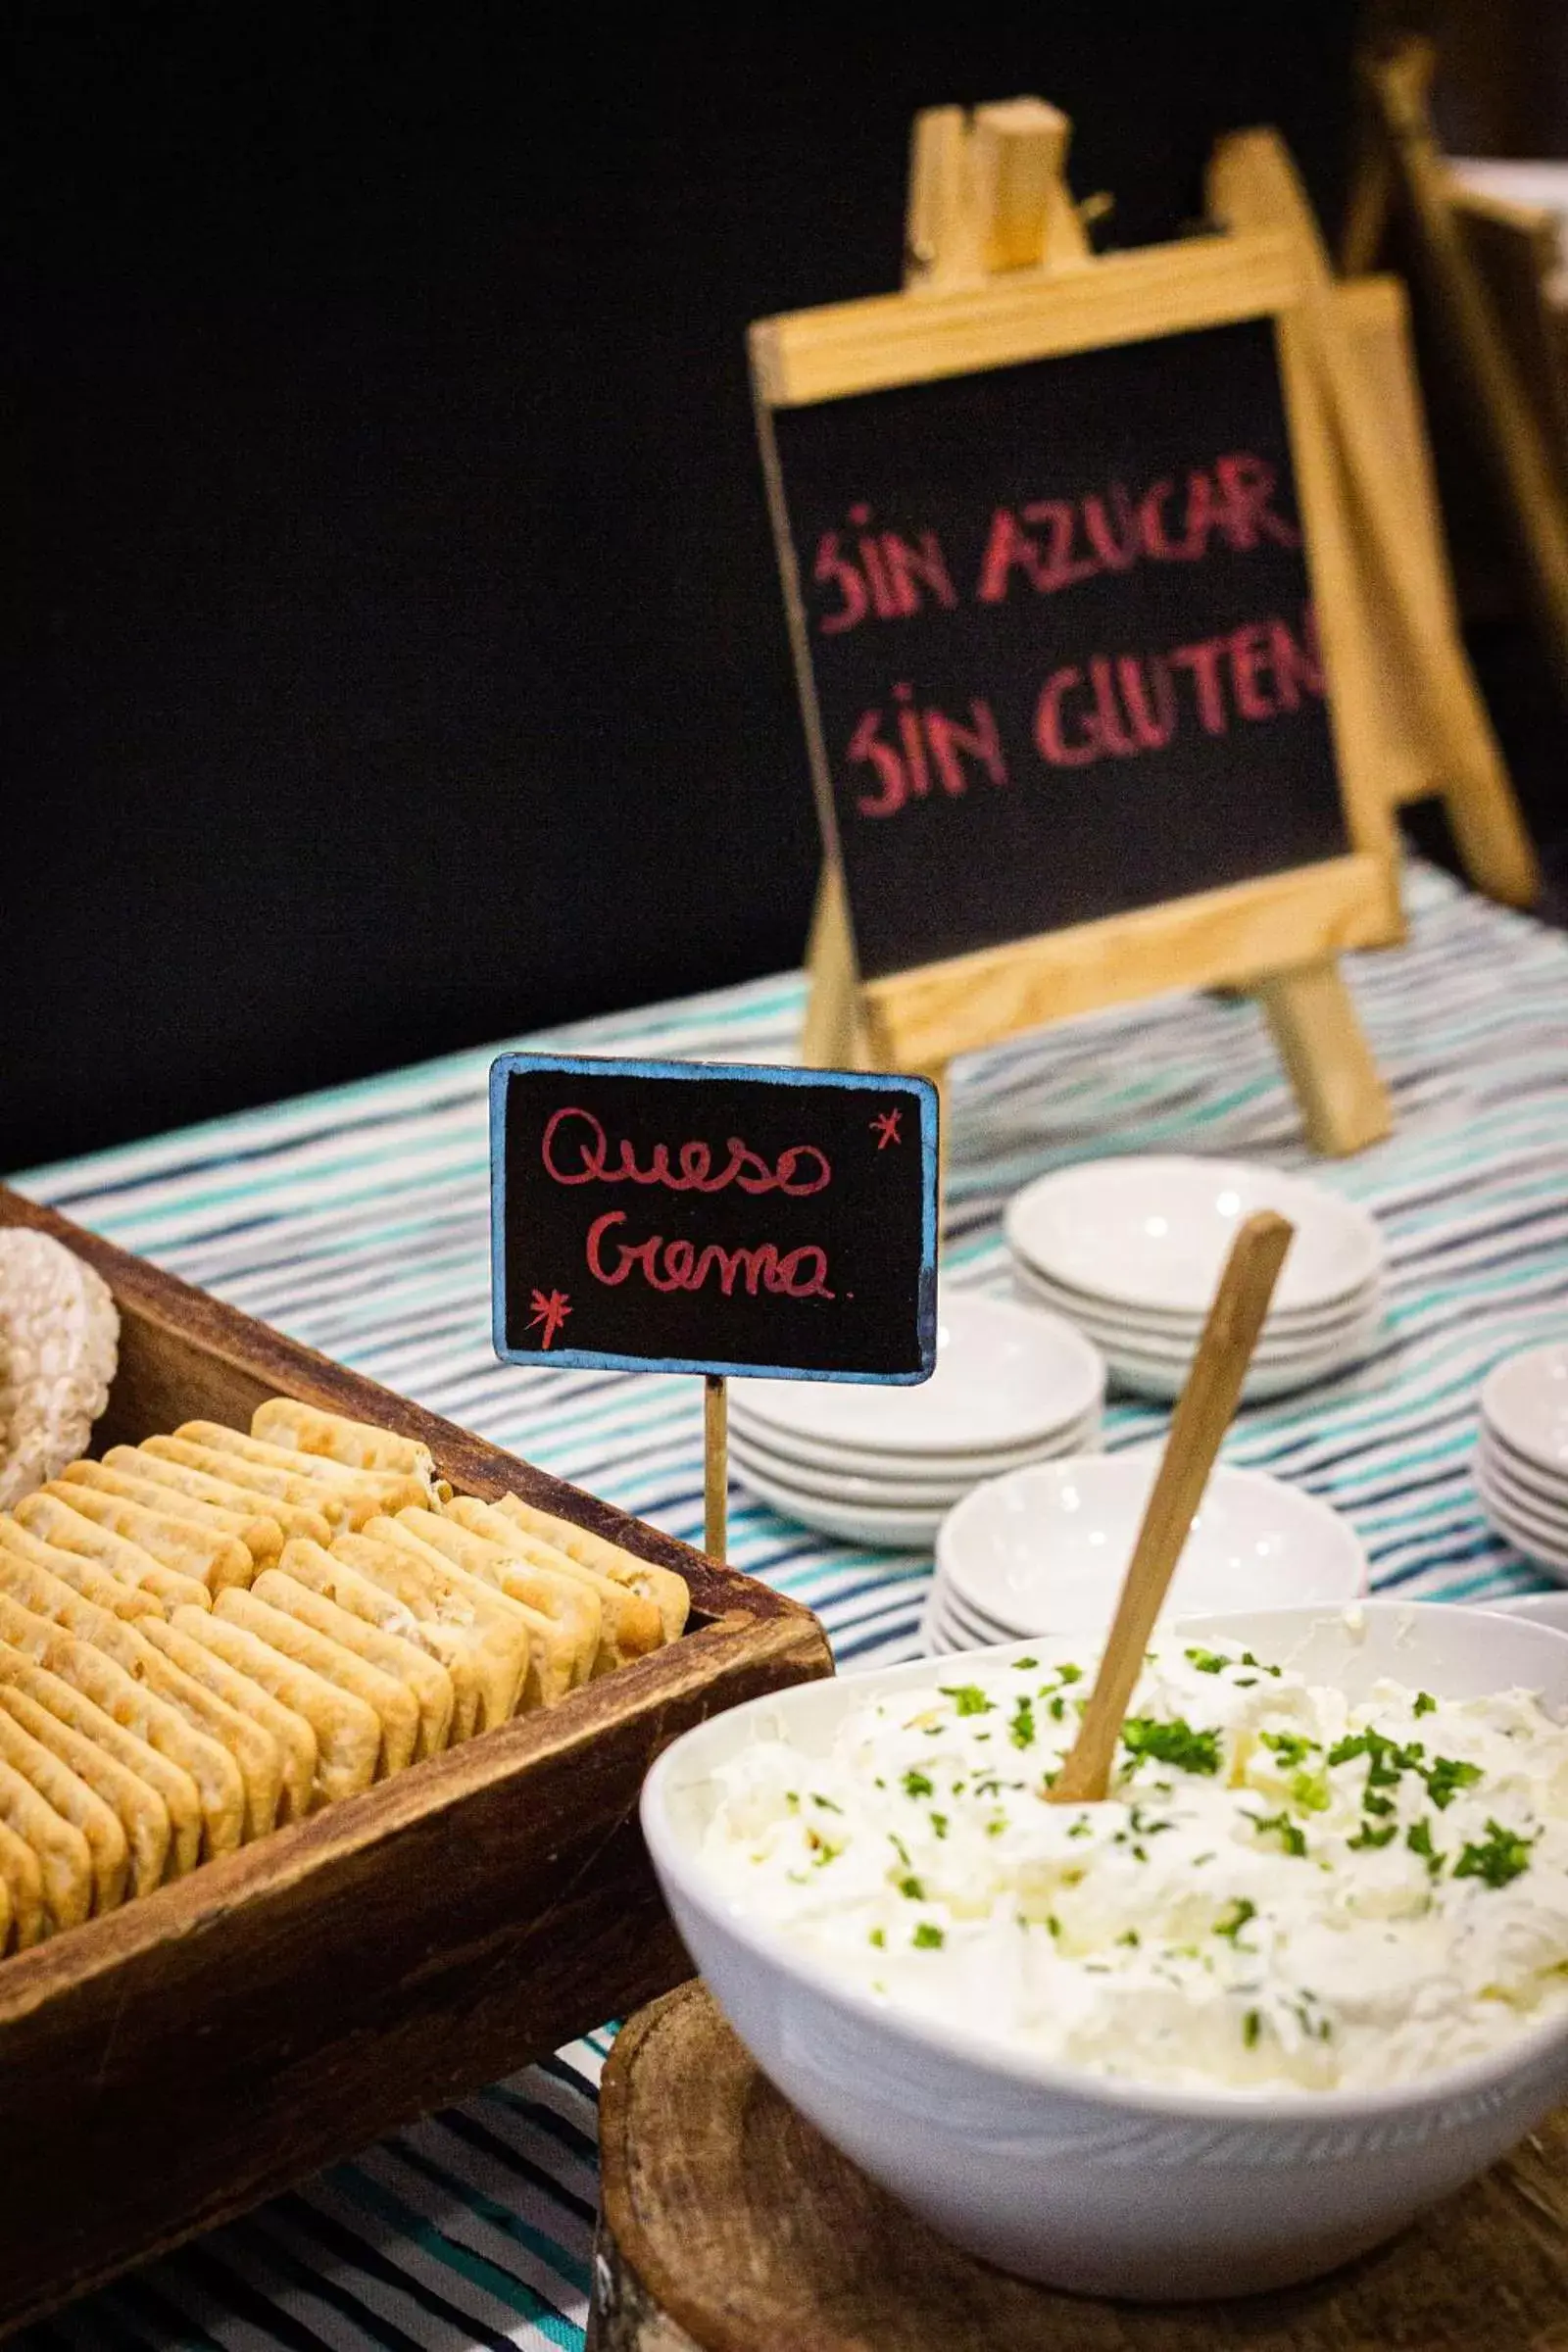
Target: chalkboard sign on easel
<point>1060,618</point>
<point>712,1218</point>
<point>1066,568</point>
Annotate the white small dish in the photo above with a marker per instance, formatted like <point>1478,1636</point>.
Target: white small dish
<point>1283,1327</point>
<point>894,1492</point>
<point>1111,1326</point>
<point>1531,1490</point>
<point>1155,1231</point>
<point>1526,1401</point>
<point>1006,1375</point>
<point>1138,1376</point>
<point>1044,1550</point>
<point>805,1464</point>
<point>884,1527</point>
<point>1101,2184</point>
<point>1519,1470</point>
<point>1546,1545</point>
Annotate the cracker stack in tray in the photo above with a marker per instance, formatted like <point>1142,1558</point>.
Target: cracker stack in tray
<point>210,1635</point>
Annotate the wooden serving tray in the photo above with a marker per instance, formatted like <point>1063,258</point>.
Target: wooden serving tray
<point>729,2225</point>
<point>166,2067</point>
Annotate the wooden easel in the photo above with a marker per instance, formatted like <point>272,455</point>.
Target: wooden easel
<point>1436,738</point>
<point>988,200</point>
<point>1401,158</point>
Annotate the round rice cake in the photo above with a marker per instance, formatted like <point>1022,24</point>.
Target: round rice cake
<point>59,1346</point>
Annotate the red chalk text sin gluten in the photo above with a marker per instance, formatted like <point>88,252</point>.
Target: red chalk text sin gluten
<point>577,1150</point>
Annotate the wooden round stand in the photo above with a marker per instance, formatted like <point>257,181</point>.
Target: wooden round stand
<point>730,2226</point>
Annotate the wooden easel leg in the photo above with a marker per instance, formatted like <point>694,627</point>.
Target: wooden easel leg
<point>1312,1016</point>
<point>834,1032</point>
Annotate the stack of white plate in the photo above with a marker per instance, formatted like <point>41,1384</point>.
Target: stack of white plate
<point>884,1466</point>
<point>1522,1461</point>
<point>1044,1551</point>
<point>1131,1250</point>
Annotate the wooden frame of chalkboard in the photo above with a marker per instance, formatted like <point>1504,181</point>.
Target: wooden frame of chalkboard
<point>1277,932</point>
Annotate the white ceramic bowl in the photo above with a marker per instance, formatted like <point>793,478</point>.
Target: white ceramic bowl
<point>1004,1375</point>
<point>1154,1232</point>
<point>1526,1401</point>
<point>1044,1550</point>
<point>1540,1608</point>
<point>1050,2171</point>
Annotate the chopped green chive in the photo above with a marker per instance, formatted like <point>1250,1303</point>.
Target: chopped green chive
<point>912,1887</point>
<point>1502,1855</point>
<point>926,1938</point>
<point>1291,1747</point>
<point>1368,1836</point>
<point>1418,1838</point>
<point>967,1698</point>
<point>915,1784</point>
<point>1291,1838</point>
<point>1206,1661</point>
<point>1174,1743</point>
<point>1251,2028</point>
<point>1021,1730</point>
<point>939,1823</point>
<point>1425,1703</point>
<point>878,1936</point>
<point>1446,1777</point>
<point>1235,1919</point>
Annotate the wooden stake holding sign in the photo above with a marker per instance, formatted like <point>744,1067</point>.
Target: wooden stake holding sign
<point>1028,816</point>
<point>712,1218</point>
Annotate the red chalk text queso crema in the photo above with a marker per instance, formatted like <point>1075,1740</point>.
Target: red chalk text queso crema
<point>575,1149</point>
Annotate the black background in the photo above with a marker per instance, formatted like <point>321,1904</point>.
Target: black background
<point>869,1218</point>
<point>1055,845</point>
<point>394,655</point>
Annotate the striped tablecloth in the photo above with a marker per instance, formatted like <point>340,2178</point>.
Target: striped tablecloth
<point>357,1220</point>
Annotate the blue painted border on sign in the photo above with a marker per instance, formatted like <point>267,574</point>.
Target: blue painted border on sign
<point>597,1066</point>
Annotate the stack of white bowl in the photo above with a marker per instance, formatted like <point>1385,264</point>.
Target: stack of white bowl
<point>1044,1551</point>
<point>1522,1460</point>
<point>884,1466</point>
<point>1131,1250</point>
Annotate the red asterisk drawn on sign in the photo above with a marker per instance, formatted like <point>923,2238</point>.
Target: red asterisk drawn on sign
<point>552,1312</point>
<point>885,1127</point>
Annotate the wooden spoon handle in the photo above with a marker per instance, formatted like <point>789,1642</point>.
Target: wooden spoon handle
<point>1200,1422</point>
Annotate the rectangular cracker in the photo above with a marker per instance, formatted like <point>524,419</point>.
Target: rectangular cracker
<point>525,1571</point>
<point>253,1749</point>
<point>630,1624</point>
<point>492,1629</point>
<point>356,1444</point>
<point>661,1586</point>
<point>63,1852</point>
<point>21,1678</point>
<point>392,1702</point>
<point>251,1524</point>
<point>562,1638</point>
<point>220,1786</point>
<point>394,1654</point>
<point>291,1735</point>
<point>348,1732</point>
<point>192,1549</point>
<point>179,1477</point>
<point>355,1494</point>
<point>23,1874</point>
<point>108,1856</point>
<point>54,1522</point>
<point>141,1812</point>
<point>94,1583</point>
<point>377,1604</point>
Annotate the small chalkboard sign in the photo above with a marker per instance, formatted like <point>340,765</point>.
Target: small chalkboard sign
<point>713,1218</point>
<point>1062,640</point>
<point>1070,581</point>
